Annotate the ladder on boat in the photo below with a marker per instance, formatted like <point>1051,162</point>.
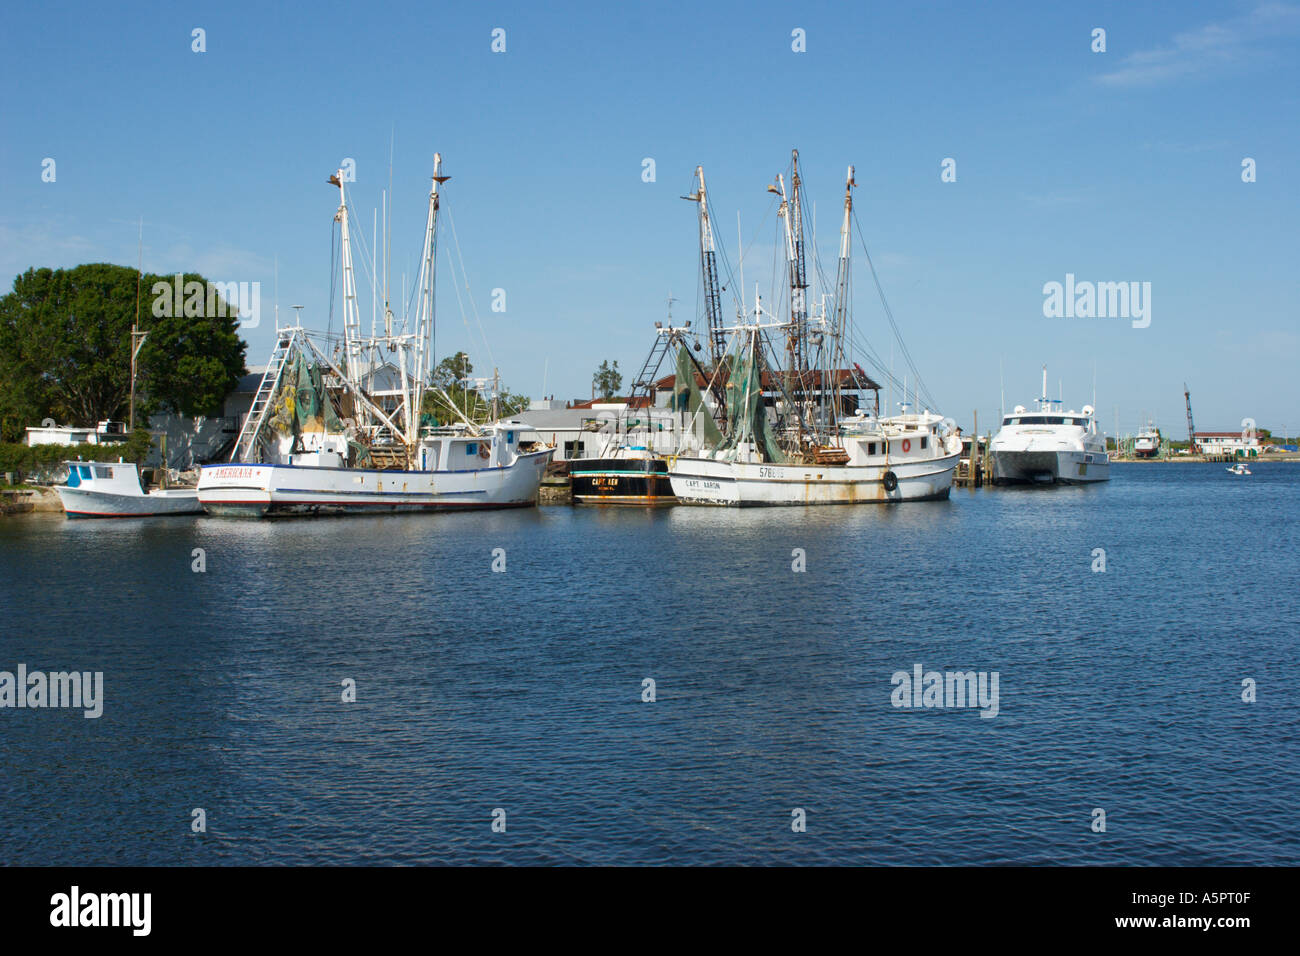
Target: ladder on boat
<point>262,400</point>
<point>645,382</point>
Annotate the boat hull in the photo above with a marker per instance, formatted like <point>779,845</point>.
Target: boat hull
<point>1050,467</point>
<point>81,503</point>
<point>639,482</point>
<point>257,491</point>
<point>703,481</point>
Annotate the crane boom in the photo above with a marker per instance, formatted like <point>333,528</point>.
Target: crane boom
<point>1191,428</point>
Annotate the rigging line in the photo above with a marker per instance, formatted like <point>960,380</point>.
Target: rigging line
<point>923,389</point>
<point>920,385</point>
<point>419,280</point>
<point>451,264</point>
<point>474,308</point>
<point>713,377</point>
<point>333,276</point>
<point>365,261</point>
<point>722,252</point>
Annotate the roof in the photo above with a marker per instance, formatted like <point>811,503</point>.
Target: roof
<point>640,401</point>
<point>1226,435</point>
<point>251,380</point>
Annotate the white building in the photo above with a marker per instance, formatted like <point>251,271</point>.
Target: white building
<point>594,429</point>
<point>1228,443</point>
<point>105,433</point>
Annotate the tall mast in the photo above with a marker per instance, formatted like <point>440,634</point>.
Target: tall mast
<point>798,278</point>
<point>791,214</point>
<point>843,295</point>
<point>426,312</point>
<point>709,272</point>
<point>351,317</point>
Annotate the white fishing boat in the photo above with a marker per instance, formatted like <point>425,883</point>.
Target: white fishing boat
<point>1240,468</point>
<point>1148,442</point>
<point>1049,445</point>
<point>801,435</point>
<point>113,490</point>
<point>317,442</point>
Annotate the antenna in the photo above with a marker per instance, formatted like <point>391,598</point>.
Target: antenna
<point>374,279</point>
<point>277,292</point>
<point>740,244</point>
<point>1002,391</point>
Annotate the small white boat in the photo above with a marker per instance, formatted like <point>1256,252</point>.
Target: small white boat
<point>1238,469</point>
<point>112,490</point>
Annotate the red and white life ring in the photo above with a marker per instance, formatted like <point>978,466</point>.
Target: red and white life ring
<point>907,444</point>
<point>483,451</point>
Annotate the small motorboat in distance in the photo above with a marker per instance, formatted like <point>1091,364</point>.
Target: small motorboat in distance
<point>1239,468</point>
<point>112,490</point>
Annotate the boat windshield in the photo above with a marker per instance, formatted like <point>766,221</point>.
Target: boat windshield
<point>1044,420</point>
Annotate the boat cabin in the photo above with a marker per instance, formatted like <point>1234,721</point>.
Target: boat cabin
<point>116,478</point>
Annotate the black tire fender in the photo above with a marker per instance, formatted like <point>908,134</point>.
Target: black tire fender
<point>890,481</point>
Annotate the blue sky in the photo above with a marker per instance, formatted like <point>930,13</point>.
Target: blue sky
<point>1115,166</point>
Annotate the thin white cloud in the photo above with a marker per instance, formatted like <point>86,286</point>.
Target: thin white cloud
<point>1214,45</point>
<point>63,242</point>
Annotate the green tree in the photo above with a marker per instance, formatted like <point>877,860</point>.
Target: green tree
<point>607,381</point>
<point>65,349</point>
<point>452,395</point>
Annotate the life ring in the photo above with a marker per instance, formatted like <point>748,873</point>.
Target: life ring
<point>907,444</point>
<point>483,451</point>
<point>890,481</point>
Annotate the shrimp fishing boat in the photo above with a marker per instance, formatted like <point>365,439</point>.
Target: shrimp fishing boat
<point>317,439</point>
<point>802,432</point>
<point>634,476</point>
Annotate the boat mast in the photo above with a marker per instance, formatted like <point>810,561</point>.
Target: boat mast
<point>709,272</point>
<point>791,214</point>
<point>351,318</point>
<point>842,302</point>
<point>426,312</point>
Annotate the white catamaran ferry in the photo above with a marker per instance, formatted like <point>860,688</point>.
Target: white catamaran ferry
<point>316,441</point>
<point>1049,445</point>
<point>799,434</point>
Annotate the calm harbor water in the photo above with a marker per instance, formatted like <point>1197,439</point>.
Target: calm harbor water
<point>522,689</point>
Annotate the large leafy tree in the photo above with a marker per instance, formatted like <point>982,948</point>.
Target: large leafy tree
<point>65,349</point>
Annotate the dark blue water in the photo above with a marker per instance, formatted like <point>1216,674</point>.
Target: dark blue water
<point>522,690</point>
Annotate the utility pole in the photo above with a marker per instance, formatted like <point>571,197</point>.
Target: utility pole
<point>137,337</point>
